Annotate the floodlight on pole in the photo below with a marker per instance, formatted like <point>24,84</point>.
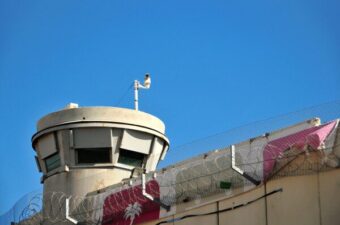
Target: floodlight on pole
<point>137,85</point>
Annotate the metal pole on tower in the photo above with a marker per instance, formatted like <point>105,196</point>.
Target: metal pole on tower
<point>136,84</point>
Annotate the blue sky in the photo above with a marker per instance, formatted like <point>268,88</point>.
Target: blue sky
<point>215,65</point>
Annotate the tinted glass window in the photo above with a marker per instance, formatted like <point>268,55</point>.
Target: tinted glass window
<point>52,162</point>
<point>131,158</point>
<point>93,155</point>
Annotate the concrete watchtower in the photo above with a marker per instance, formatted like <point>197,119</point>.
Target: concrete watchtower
<point>83,149</point>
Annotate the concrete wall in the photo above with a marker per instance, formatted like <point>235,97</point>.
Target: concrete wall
<point>304,200</point>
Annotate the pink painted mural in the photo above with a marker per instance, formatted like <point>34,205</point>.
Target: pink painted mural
<point>312,137</point>
<point>129,206</point>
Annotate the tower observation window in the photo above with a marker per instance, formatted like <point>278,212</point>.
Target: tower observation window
<point>93,155</point>
<point>131,158</point>
<point>52,162</point>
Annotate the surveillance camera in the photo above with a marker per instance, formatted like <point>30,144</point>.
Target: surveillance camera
<point>147,81</point>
